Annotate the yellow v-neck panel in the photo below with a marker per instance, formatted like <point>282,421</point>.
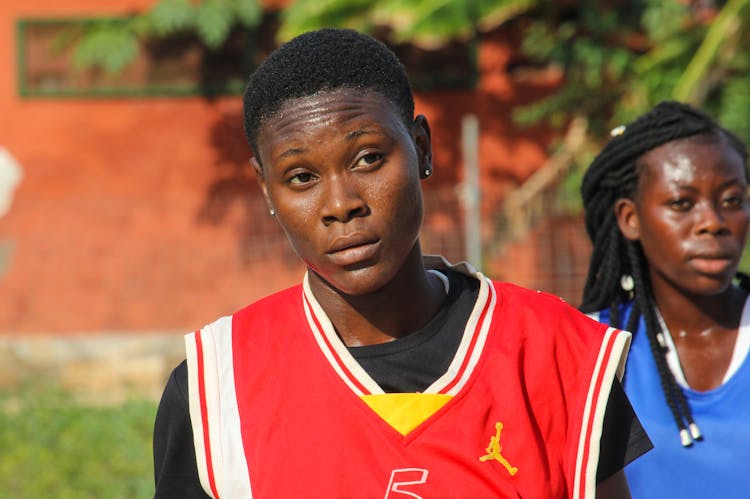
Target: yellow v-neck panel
<point>405,411</point>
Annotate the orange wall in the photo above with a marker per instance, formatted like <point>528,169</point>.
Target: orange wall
<point>129,217</point>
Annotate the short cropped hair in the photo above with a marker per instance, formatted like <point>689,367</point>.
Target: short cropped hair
<point>324,60</point>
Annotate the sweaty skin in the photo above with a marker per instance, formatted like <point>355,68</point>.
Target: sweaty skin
<point>342,171</point>
<point>690,213</point>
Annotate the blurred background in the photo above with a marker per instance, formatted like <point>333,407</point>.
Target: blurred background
<point>129,214</point>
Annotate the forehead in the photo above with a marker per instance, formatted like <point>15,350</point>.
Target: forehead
<point>695,159</point>
<point>344,113</point>
<point>325,104</point>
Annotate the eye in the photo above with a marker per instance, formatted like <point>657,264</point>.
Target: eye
<point>370,159</point>
<point>733,201</point>
<point>301,178</point>
<point>680,204</point>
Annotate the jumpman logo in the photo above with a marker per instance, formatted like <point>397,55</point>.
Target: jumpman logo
<point>494,451</point>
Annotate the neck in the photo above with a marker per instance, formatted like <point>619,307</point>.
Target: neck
<point>691,315</point>
<point>401,307</point>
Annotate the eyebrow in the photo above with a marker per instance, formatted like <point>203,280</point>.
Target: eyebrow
<point>731,181</point>
<point>349,136</point>
<point>364,131</point>
<point>723,185</point>
<point>291,152</point>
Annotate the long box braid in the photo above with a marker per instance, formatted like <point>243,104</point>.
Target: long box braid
<point>614,175</point>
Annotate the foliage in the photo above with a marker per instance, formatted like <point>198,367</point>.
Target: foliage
<point>55,447</point>
<point>620,58</point>
<point>113,44</point>
<point>108,44</point>
<point>426,23</point>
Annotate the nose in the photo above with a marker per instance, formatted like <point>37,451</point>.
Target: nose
<point>710,219</point>
<point>343,200</point>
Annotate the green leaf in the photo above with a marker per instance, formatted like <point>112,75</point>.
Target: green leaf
<point>662,20</point>
<point>214,21</point>
<point>171,16</point>
<point>107,45</point>
<point>707,52</point>
<point>494,13</point>
<point>735,101</point>
<point>306,15</point>
<point>427,23</point>
<point>249,12</point>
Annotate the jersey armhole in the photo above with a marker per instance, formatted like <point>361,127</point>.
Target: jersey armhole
<point>610,362</point>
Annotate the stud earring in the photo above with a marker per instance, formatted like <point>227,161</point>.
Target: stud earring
<point>627,283</point>
<point>427,172</point>
<point>272,212</point>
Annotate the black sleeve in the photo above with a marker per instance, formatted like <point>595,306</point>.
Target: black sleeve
<point>175,468</point>
<point>623,438</point>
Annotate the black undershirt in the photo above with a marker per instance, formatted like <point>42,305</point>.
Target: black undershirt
<point>408,364</point>
<point>414,362</point>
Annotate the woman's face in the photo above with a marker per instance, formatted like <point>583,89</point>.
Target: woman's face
<point>341,170</point>
<point>690,213</point>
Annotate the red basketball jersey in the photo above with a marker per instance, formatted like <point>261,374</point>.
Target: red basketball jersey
<point>281,409</point>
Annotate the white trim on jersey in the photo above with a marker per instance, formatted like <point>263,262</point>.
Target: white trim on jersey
<point>228,463</point>
<point>195,412</point>
<point>609,363</point>
<point>342,362</point>
<point>739,353</point>
<point>356,378</point>
<point>465,348</point>
<point>742,344</point>
<point>220,454</point>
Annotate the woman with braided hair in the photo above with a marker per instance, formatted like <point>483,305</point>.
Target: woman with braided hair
<point>667,210</point>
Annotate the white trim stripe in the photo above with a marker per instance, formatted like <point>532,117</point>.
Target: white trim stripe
<point>455,378</point>
<point>196,418</point>
<point>235,478</point>
<point>467,347</point>
<point>742,344</point>
<point>478,349</point>
<point>333,348</point>
<point>609,363</point>
<point>228,465</point>
<point>213,410</point>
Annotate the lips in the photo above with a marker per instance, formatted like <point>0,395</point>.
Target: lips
<point>713,263</point>
<point>351,249</point>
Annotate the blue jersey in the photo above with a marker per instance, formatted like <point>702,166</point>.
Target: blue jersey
<point>716,466</point>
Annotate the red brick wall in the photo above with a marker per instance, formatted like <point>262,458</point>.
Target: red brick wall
<point>141,214</point>
<point>553,257</point>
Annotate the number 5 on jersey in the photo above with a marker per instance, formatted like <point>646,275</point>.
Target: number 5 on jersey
<point>403,479</point>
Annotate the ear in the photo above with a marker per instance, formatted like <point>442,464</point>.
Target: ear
<point>627,219</point>
<point>423,141</point>
<point>261,181</point>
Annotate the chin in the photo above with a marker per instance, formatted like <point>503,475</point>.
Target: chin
<point>361,288</point>
<point>357,282</point>
<point>713,287</point>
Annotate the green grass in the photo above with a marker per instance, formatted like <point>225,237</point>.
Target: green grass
<point>54,447</point>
